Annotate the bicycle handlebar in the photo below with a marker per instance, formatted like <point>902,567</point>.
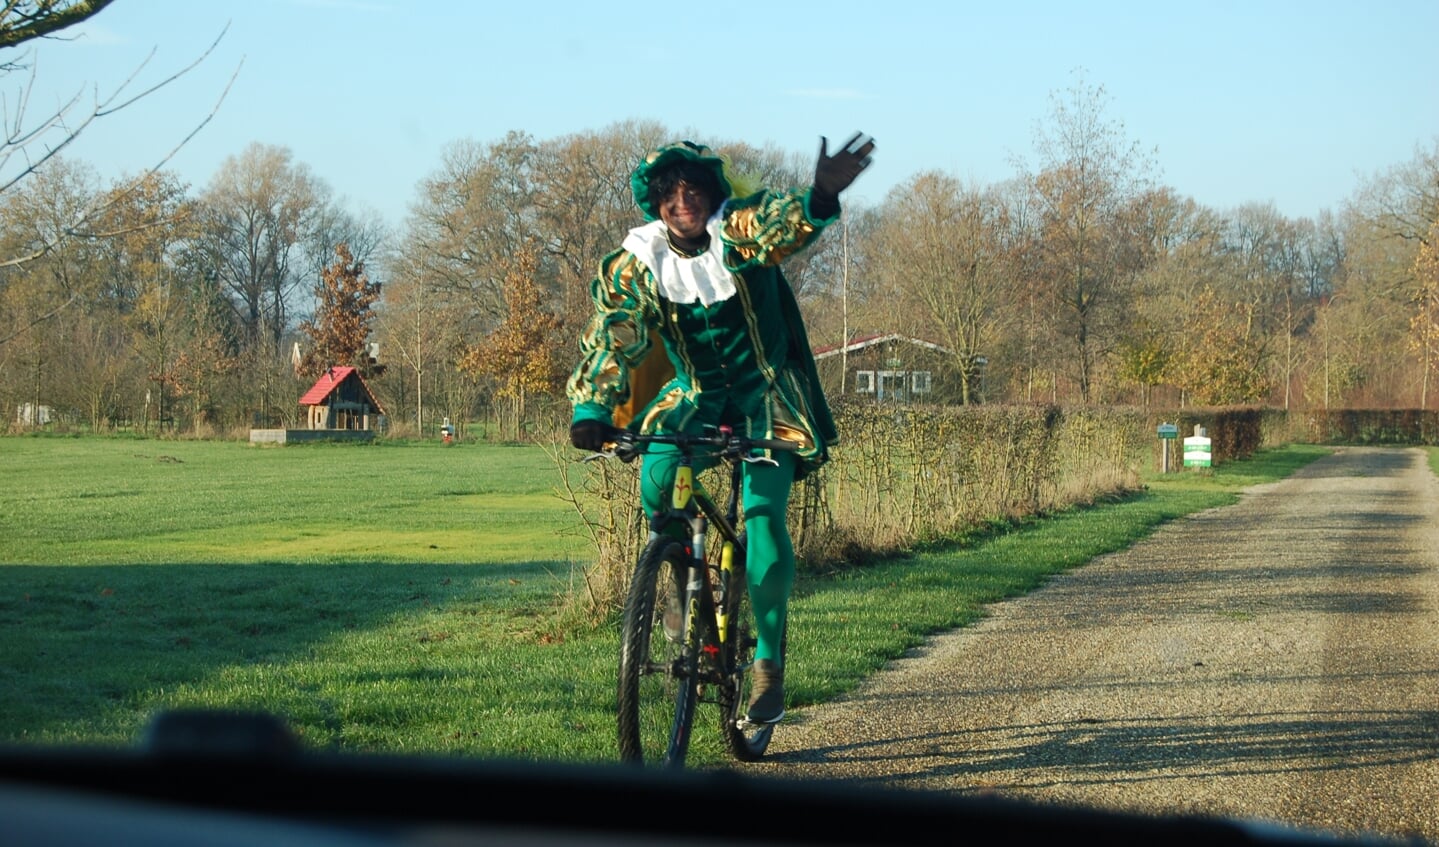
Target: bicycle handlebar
<point>724,441</point>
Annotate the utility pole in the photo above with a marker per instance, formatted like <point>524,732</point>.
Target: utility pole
<point>844,304</point>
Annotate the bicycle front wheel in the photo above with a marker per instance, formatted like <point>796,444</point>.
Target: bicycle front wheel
<point>658,684</point>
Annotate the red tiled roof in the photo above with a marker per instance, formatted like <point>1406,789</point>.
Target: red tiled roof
<point>328,381</point>
<point>332,379</point>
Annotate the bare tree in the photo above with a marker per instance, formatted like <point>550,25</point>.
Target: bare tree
<point>473,214</point>
<point>261,216</point>
<point>1390,222</point>
<point>34,293</point>
<point>37,142</point>
<point>57,129</point>
<point>1361,328</point>
<point>1183,255</point>
<point>446,276</point>
<point>142,279</point>
<point>941,249</point>
<point>1084,198</point>
<point>583,202</point>
<point>26,20</point>
<point>1424,322</point>
<point>1403,202</point>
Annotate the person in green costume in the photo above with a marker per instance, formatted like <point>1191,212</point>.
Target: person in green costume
<point>702,278</point>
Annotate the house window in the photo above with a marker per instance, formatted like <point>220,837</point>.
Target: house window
<point>919,382</point>
<point>864,382</point>
<point>891,385</point>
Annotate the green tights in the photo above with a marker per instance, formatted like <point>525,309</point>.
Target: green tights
<point>769,561</point>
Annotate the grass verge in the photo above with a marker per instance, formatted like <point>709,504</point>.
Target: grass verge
<point>131,583</point>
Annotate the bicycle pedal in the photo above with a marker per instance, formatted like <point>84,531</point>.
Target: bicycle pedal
<point>744,724</point>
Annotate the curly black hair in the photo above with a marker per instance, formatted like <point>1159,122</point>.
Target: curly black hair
<point>664,180</point>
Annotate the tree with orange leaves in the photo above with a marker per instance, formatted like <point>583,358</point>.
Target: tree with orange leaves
<point>520,354</point>
<point>340,330</point>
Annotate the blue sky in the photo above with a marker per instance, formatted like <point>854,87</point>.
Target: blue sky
<point>1292,103</point>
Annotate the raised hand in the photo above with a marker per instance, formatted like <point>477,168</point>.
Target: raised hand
<point>833,174</point>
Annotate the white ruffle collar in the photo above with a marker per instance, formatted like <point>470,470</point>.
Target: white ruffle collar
<point>702,279</point>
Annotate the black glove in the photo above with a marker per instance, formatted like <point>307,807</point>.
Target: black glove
<point>833,174</point>
<point>592,435</point>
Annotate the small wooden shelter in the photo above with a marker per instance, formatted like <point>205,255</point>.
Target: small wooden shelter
<point>339,407</point>
<point>340,399</point>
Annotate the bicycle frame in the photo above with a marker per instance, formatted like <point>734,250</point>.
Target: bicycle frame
<point>704,649</point>
<point>692,505</point>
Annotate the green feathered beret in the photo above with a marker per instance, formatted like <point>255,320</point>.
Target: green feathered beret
<point>669,155</point>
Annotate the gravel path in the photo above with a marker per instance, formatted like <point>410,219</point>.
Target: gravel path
<point>1277,659</point>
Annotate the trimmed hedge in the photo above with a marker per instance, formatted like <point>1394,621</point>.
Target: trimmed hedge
<point>906,475</point>
<point>1416,427</point>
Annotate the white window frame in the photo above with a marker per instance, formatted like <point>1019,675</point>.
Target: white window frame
<point>864,382</point>
<point>919,382</point>
<point>887,382</point>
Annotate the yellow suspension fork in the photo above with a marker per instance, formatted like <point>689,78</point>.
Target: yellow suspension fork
<point>681,495</point>
<point>726,571</point>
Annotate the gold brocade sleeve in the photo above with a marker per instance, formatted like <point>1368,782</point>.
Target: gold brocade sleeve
<point>767,228</point>
<point>617,338</point>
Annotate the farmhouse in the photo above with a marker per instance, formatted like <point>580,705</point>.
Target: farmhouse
<point>889,367</point>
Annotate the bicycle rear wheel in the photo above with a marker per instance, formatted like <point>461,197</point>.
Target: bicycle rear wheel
<point>745,741</point>
<point>658,684</point>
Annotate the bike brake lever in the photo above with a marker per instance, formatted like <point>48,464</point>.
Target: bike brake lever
<point>624,451</point>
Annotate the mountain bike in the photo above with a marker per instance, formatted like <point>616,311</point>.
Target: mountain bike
<point>687,634</point>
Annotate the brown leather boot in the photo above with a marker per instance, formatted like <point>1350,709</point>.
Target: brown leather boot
<point>766,701</point>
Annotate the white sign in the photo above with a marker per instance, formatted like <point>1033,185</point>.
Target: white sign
<point>1196,452</point>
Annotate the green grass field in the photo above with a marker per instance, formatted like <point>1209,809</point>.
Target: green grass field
<point>402,598</point>
<point>125,501</point>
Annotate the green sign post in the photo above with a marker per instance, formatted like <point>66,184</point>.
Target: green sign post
<point>1167,433</point>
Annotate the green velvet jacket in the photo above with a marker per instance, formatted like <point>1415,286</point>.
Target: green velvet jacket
<point>744,360</point>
